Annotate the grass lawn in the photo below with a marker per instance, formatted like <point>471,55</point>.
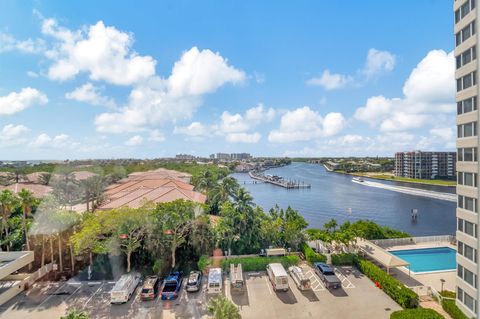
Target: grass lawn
<point>439,182</point>
<point>388,177</point>
<point>414,180</point>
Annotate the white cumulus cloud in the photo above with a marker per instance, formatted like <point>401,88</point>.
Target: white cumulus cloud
<point>16,102</point>
<point>103,52</point>
<point>10,132</point>
<point>9,43</point>
<point>429,93</point>
<point>194,129</point>
<point>158,101</point>
<point>303,124</point>
<point>378,62</point>
<point>90,94</point>
<point>331,81</point>
<point>134,141</point>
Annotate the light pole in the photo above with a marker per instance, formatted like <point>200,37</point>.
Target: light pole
<point>442,281</point>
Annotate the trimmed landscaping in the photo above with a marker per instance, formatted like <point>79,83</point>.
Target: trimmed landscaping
<point>343,259</point>
<point>259,263</point>
<point>418,313</point>
<point>391,286</point>
<point>311,256</point>
<point>450,307</point>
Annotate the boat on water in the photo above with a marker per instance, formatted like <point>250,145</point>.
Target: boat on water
<point>358,179</point>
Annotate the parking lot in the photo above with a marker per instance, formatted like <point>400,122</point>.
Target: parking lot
<point>358,298</point>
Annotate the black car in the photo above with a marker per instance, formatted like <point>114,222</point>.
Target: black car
<point>327,275</point>
<point>194,282</point>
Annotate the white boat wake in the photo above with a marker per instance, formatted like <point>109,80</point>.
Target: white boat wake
<point>411,191</point>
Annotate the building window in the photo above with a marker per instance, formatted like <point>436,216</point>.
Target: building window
<point>467,227</point>
<point>467,251</point>
<point>467,179</point>
<point>467,105</point>
<point>468,154</point>
<point>466,57</point>
<point>466,299</point>
<point>467,203</point>
<point>466,81</point>
<point>467,276</point>
<point>467,130</point>
<point>465,33</point>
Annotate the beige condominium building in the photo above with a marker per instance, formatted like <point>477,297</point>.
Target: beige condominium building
<point>466,62</point>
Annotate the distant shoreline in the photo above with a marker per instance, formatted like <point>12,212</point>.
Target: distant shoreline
<point>433,182</point>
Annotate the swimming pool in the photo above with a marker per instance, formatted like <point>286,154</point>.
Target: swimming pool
<point>428,259</point>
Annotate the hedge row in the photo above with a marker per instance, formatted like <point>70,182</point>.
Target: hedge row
<point>450,307</point>
<point>311,256</point>
<point>418,313</point>
<point>259,263</point>
<point>343,259</point>
<point>391,286</point>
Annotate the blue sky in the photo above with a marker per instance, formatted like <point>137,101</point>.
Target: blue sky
<point>152,79</point>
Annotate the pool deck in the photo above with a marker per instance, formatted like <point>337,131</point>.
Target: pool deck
<point>425,279</point>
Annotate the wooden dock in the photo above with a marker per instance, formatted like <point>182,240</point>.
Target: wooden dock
<point>281,183</point>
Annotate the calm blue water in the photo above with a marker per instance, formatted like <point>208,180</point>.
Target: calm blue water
<point>428,259</point>
<point>332,195</point>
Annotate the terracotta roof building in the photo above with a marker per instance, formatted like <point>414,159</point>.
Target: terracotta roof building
<point>158,186</point>
<point>38,190</point>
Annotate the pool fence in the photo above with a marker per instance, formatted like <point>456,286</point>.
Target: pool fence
<point>438,240</point>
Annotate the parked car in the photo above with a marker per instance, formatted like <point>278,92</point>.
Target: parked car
<point>215,281</point>
<point>194,282</point>
<point>150,288</point>
<point>327,276</point>
<point>278,276</point>
<point>299,277</point>
<point>124,288</point>
<point>172,285</point>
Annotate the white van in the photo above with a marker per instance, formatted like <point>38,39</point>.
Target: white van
<point>214,284</point>
<point>299,277</point>
<point>237,284</point>
<point>124,288</point>
<point>278,276</point>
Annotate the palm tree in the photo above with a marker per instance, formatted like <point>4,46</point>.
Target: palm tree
<point>205,182</point>
<point>226,189</point>
<point>8,201</point>
<point>243,199</point>
<point>222,308</point>
<point>92,190</point>
<point>27,200</point>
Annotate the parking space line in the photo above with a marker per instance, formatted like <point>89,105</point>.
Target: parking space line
<point>51,295</point>
<point>268,285</point>
<point>319,285</point>
<point>86,303</point>
<point>78,288</point>
<point>346,283</point>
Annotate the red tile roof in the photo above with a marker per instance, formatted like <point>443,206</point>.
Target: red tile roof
<point>158,186</point>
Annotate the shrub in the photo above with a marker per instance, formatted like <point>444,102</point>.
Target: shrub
<point>418,313</point>
<point>343,259</point>
<point>391,286</point>
<point>311,256</point>
<point>450,307</point>
<point>157,266</point>
<point>259,263</point>
<point>203,262</point>
<point>222,308</point>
